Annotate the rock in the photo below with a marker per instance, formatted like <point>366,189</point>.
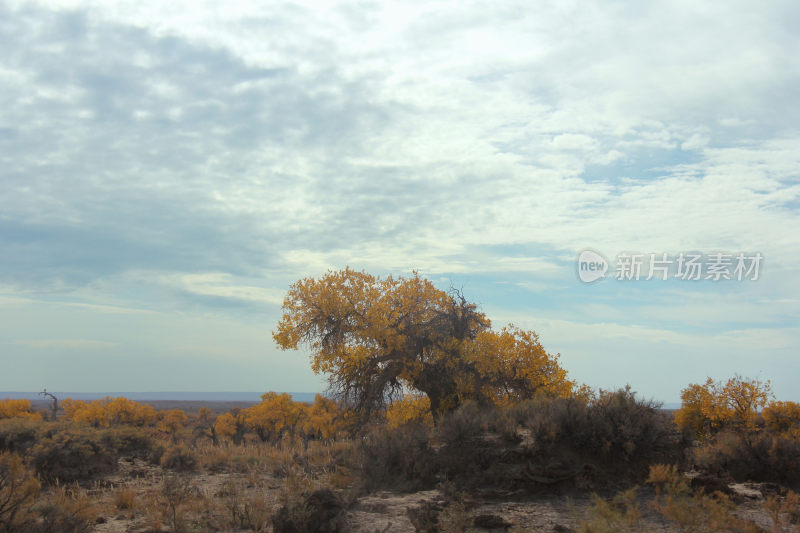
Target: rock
<point>747,490</point>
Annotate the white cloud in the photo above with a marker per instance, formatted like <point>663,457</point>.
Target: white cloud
<point>155,152</point>
<point>219,284</point>
<point>69,344</point>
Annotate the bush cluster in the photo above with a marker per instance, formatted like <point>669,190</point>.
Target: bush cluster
<point>752,456</point>
<point>60,452</point>
<point>538,442</point>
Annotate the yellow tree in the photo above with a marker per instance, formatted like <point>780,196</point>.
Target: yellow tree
<point>231,425</point>
<point>323,419</point>
<point>709,407</point>
<point>377,337</point>
<point>17,409</point>
<point>783,417</point>
<point>171,422</point>
<point>274,415</point>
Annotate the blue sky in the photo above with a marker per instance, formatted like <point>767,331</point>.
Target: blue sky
<point>167,171</point>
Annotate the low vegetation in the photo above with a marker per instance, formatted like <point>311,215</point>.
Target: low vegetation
<point>505,420</point>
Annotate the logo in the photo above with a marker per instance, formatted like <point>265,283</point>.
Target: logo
<point>591,266</point>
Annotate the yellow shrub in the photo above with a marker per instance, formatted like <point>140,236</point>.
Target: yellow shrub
<point>323,419</point>
<point>171,421</point>
<point>275,415</point>
<point>782,416</point>
<point>109,412</point>
<point>17,409</point>
<point>709,407</point>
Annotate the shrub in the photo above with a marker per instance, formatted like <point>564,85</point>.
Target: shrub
<point>171,421</point>
<point>179,458</point>
<point>783,509</point>
<point>782,417</point>
<point>128,442</point>
<point>125,499</point>
<point>67,510</point>
<point>622,513</point>
<point>253,513</point>
<point>18,435</point>
<point>322,511</point>
<point>400,458</point>
<point>176,494</point>
<point>468,445</point>
<point>752,457</point>
<point>540,442</point>
<point>156,453</point>
<point>17,409</point>
<point>71,455</point>
<point>692,511</point>
<point>425,517</point>
<point>614,428</point>
<point>18,490</point>
<point>631,429</point>
<point>551,423</point>
<point>217,461</point>
<point>109,412</point>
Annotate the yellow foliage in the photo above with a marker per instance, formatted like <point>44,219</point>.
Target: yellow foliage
<point>274,415</point>
<point>707,408</point>
<point>323,419</point>
<point>171,421</point>
<point>513,366</point>
<point>376,336</point>
<point>17,409</point>
<point>225,425</point>
<point>109,412</point>
<point>409,408</point>
<point>204,415</point>
<point>782,417</point>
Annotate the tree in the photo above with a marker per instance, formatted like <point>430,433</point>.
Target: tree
<point>380,338</point>
<point>17,409</point>
<point>53,406</point>
<point>274,415</point>
<point>231,426</point>
<point>709,407</point>
<point>109,412</point>
<point>783,417</point>
<point>204,425</point>
<point>323,419</point>
<point>171,422</point>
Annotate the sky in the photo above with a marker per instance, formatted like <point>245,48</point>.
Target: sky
<point>168,170</point>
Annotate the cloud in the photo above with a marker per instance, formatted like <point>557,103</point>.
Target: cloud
<point>219,285</point>
<point>161,157</point>
<point>69,344</point>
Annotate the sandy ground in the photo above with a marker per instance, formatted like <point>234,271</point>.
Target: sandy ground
<point>388,512</point>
